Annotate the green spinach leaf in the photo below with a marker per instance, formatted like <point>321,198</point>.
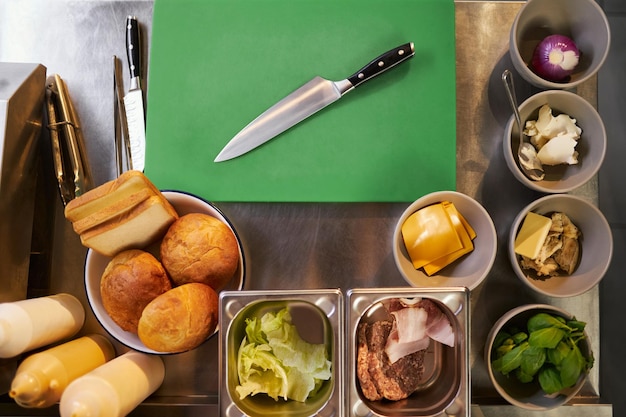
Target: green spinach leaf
<point>545,320</point>
<point>500,339</point>
<point>548,337</point>
<point>533,359</point>
<point>519,337</point>
<point>571,367</point>
<point>523,377</point>
<point>550,380</point>
<point>513,359</point>
<point>556,355</point>
<point>577,325</point>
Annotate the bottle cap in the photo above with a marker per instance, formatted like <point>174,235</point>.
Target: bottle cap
<point>84,404</point>
<point>28,388</point>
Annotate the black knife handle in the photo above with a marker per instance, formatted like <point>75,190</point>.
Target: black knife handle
<point>133,47</point>
<point>382,63</point>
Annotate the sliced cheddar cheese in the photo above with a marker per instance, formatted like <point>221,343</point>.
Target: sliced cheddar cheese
<point>429,234</point>
<point>465,233</point>
<point>451,208</point>
<point>532,235</point>
<point>437,235</point>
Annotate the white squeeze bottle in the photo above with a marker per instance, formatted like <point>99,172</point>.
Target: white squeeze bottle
<point>36,322</point>
<point>115,388</point>
<point>42,377</point>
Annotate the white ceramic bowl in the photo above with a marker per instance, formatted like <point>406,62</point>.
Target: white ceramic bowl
<point>596,246</point>
<point>581,20</point>
<point>530,396</point>
<point>591,145</point>
<point>95,264</point>
<point>468,271</point>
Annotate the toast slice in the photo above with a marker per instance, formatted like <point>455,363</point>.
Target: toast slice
<point>108,194</point>
<point>136,228</point>
<point>116,208</point>
<point>128,212</point>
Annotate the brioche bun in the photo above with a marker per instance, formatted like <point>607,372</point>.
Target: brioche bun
<point>200,248</point>
<point>130,281</point>
<point>180,319</point>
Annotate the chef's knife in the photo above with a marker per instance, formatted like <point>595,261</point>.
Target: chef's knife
<point>133,101</point>
<point>120,125</point>
<point>307,100</point>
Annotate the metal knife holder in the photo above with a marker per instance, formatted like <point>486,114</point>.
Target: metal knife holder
<point>68,148</point>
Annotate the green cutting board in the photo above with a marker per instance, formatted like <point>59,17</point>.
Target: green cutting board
<point>217,64</point>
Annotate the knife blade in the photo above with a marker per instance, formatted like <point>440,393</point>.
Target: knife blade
<point>306,101</point>
<point>133,100</point>
<point>120,125</point>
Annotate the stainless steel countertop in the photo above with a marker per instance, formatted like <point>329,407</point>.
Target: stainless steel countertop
<point>300,245</point>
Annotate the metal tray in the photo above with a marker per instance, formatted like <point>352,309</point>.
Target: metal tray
<point>295,246</point>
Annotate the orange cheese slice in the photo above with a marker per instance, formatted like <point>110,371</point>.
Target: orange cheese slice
<point>429,234</point>
<point>437,235</point>
<point>465,233</point>
<point>452,209</point>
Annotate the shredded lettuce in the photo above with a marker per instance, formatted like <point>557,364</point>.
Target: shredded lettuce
<point>274,360</point>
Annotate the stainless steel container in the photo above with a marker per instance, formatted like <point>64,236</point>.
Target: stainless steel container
<point>317,314</point>
<point>22,88</point>
<point>444,388</point>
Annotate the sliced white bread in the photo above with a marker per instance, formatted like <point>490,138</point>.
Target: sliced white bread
<point>116,208</point>
<point>136,228</point>
<point>107,194</point>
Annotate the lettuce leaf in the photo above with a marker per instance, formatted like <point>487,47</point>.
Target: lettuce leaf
<point>273,359</point>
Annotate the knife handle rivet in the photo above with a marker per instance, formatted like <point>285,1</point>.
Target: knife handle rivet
<point>401,52</point>
<point>381,64</point>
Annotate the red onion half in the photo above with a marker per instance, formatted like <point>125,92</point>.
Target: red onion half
<point>555,58</point>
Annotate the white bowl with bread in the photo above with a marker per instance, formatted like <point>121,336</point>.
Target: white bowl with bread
<point>164,261</point>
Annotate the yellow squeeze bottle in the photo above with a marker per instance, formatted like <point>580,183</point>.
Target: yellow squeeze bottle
<point>115,388</point>
<point>42,377</point>
<point>36,322</point>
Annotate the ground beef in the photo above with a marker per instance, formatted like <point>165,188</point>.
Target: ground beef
<point>379,378</point>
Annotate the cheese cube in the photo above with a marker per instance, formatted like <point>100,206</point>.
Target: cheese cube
<point>532,235</point>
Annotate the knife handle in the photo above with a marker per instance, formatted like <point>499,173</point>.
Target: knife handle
<point>133,47</point>
<point>382,63</point>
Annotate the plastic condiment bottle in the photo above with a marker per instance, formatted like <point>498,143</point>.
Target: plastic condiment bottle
<point>115,388</point>
<point>42,377</point>
<point>36,322</point>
